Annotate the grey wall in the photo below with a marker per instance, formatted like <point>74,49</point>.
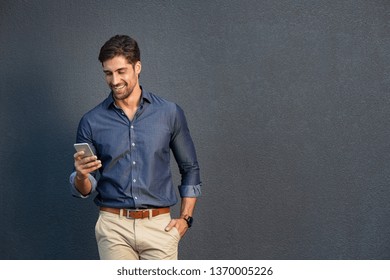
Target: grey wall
<point>287,102</point>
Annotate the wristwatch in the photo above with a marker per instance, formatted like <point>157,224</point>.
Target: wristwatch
<point>189,220</point>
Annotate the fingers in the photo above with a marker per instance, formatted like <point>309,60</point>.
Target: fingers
<point>85,165</point>
<point>180,224</point>
<point>80,155</point>
<point>171,224</point>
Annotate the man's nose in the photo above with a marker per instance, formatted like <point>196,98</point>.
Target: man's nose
<point>115,79</point>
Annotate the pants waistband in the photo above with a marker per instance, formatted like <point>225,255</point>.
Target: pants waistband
<point>136,214</point>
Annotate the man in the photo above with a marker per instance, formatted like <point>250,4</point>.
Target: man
<point>131,134</point>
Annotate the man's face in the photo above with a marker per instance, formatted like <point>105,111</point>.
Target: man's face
<point>121,76</point>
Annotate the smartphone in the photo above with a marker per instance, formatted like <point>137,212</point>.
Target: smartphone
<point>84,147</point>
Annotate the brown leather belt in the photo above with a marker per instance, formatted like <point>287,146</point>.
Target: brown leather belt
<point>136,214</point>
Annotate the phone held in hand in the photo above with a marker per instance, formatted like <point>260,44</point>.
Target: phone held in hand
<point>84,147</point>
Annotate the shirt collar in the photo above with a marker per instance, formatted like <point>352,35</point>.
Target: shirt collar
<point>145,96</point>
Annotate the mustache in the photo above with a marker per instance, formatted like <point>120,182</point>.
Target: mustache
<point>118,85</point>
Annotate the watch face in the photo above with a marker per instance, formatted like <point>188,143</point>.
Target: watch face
<point>189,221</point>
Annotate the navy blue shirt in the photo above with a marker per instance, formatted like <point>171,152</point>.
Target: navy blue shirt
<point>135,154</point>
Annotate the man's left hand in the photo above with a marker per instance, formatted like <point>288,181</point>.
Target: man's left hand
<point>180,224</point>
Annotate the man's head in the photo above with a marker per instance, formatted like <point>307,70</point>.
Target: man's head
<point>120,58</point>
<point>120,45</point>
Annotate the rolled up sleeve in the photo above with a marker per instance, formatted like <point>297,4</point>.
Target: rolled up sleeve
<point>190,190</point>
<point>74,191</point>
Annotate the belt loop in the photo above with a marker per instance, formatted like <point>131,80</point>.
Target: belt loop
<point>120,213</point>
<point>150,213</point>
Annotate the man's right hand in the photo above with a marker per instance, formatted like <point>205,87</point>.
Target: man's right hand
<point>85,165</point>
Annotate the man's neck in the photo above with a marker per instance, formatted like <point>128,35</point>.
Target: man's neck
<point>130,104</point>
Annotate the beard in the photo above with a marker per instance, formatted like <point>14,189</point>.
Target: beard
<point>122,93</point>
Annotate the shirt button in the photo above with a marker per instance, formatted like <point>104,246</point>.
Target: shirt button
<point>132,126</point>
<point>135,197</point>
<point>133,162</point>
<point>134,180</point>
<point>133,144</point>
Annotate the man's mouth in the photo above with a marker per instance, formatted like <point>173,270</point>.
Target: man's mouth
<point>119,87</point>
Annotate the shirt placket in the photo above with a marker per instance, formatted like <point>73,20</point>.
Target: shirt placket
<point>134,156</point>
<point>133,162</point>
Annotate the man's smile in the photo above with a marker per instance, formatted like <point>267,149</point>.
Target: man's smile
<point>119,87</point>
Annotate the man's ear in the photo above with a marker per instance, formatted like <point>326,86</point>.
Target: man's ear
<point>138,67</point>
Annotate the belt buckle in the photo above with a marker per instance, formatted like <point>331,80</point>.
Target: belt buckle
<point>142,212</point>
<point>128,212</point>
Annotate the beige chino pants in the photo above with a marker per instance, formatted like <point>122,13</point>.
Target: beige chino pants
<point>120,238</point>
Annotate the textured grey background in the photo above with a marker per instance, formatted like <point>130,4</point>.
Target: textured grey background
<point>287,102</point>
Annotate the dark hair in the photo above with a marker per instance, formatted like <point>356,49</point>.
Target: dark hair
<point>120,45</point>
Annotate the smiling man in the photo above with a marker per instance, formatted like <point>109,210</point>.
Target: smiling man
<point>132,133</point>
